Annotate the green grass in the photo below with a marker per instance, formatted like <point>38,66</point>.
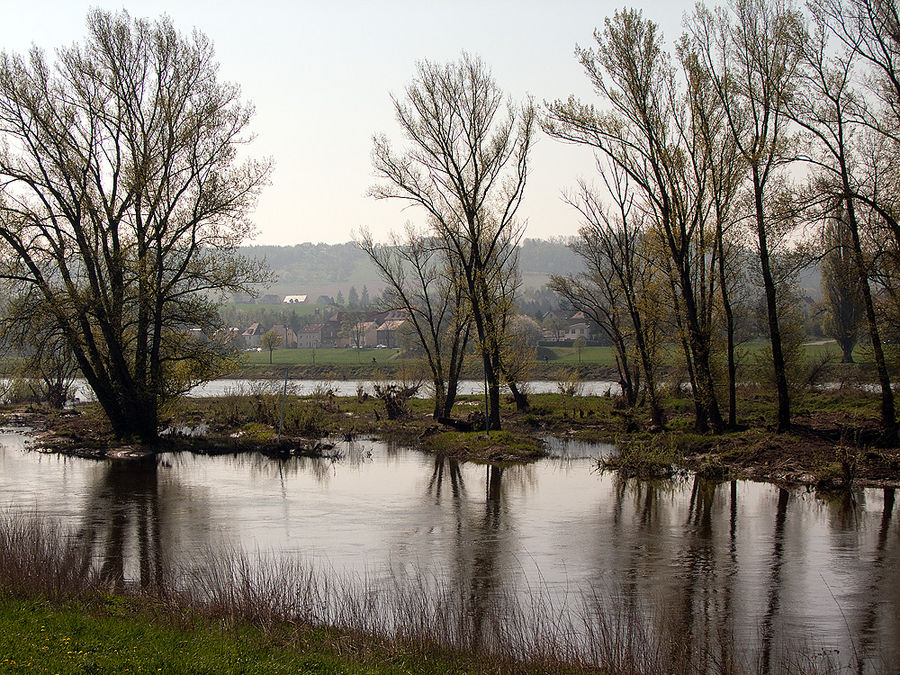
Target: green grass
<point>121,636</point>
<point>605,356</point>
<point>325,356</point>
<point>308,309</point>
<point>496,446</point>
<point>600,356</point>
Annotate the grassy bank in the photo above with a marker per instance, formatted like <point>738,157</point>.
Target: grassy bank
<point>230,613</point>
<point>113,634</point>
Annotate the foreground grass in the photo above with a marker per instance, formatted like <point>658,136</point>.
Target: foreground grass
<point>227,611</point>
<point>239,614</point>
<point>117,634</point>
<point>79,638</point>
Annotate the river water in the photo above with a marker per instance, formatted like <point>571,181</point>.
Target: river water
<point>306,387</point>
<point>774,570</point>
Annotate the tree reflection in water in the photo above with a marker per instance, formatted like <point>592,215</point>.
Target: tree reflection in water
<point>122,518</point>
<point>845,510</point>
<point>478,547</point>
<point>720,575</point>
<point>774,592</point>
<point>134,516</point>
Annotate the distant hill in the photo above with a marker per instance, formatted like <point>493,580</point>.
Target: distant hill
<point>325,269</point>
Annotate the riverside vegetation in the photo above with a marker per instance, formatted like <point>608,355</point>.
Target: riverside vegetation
<point>833,443</point>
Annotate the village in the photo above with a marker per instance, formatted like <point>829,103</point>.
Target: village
<point>326,323</point>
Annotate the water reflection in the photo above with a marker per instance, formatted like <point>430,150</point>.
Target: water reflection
<point>774,587</point>
<point>477,551</point>
<point>734,573</point>
<point>122,521</point>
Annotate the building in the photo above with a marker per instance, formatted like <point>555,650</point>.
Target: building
<point>252,334</point>
<point>577,330</point>
<point>233,337</point>
<point>310,336</point>
<point>389,332</point>
<point>367,333</point>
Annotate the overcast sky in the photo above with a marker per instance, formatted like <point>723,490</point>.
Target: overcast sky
<point>320,76</point>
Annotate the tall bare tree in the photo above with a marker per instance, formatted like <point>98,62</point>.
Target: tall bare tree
<point>122,204</point>
<point>616,291</point>
<point>751,57</point>
<point>841,286</point>
<point>423,284</point>
<point>834,114</point>
<point>725,170</point>
<point>645,131</point>
<point>465,164</point>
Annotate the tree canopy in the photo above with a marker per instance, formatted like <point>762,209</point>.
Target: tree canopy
<point>121,203</point>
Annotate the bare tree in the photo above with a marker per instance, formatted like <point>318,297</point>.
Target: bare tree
<point>834,115</point>
<point>523,334</point>
<point>751,58</point>
<point>842,287</point>
<point>465,164</point>
<point>616,291</point>
<point>122,204</point>
<point>870,29</point>
<point>725,171</point>
<point>47,362</point>
<point>423,284</point>
<point>646,134</point>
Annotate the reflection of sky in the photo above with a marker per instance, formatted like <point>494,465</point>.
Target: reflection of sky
<point>798,568</point>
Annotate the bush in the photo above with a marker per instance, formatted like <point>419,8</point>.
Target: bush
<point>395,398</point>
<point>643,459</point>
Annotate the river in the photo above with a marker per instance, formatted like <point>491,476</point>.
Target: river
<point>302,387</point>
<point>774,570</point>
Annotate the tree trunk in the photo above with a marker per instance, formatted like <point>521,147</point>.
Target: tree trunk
<point>847,349</point>
<point>697,351</point>
<point>519,396</point>
<point>783,417</point>
<point>888,411</point>
<point>440,399</point>
<point>729,328</point>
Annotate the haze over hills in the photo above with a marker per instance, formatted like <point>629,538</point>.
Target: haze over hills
<point>325,269</point>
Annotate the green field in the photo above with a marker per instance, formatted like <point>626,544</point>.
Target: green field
<point>125,635</point>
<point>592,356</point>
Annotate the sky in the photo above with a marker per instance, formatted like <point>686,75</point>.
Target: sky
<point>320,75</point>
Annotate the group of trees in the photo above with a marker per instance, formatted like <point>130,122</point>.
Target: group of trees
<point>123,201</point>
<point>464,166</point>
<point>762,119</point>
